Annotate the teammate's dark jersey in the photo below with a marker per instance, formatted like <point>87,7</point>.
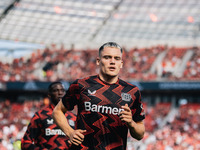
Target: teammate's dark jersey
<point>43,133</point>
<point>99,105</point>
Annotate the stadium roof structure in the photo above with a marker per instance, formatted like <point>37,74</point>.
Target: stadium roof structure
<point>89,23</point>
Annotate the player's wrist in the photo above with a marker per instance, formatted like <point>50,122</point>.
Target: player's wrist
<point>69,132</point>
<point>131,124</point>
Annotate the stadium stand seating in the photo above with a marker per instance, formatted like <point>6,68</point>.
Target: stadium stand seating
<point>53,64</point>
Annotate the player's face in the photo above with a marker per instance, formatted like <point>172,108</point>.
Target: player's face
<point>57,93</point>
<point>110,62</point>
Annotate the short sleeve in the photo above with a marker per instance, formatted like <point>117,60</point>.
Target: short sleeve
<point>137,108</point>
<point>71,96</point>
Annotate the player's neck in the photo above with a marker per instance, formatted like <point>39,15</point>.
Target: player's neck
<point>108,79</point>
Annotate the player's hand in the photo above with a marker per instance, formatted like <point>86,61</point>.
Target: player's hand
<point>76,137</point>
<point>126,115</point>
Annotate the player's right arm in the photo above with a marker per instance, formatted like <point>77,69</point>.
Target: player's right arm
<point>76,137</point>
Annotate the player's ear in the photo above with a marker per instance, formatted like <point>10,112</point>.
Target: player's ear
<point>97,61</point>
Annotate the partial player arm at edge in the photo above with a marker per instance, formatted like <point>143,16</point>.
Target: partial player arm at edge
<point>60,119</point>
<point>76,137</point>
<point>31,134</point>
<point>137,129</point>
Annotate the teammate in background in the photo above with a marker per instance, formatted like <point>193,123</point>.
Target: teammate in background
<point>107,106</point>
<point>42,133</point>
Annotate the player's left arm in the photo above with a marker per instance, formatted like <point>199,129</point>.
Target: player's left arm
<point>137,129</point>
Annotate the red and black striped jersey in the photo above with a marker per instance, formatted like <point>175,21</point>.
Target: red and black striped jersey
<point>99,105</point>
<point>42,133</point>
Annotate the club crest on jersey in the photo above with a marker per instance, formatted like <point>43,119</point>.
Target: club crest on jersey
<point>92,93</point>
<point>126,97</point>
<point>49,121</point>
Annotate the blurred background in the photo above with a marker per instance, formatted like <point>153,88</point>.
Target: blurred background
<point>42,41</point>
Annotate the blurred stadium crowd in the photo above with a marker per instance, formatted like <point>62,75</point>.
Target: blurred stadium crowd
<point>144,64</point>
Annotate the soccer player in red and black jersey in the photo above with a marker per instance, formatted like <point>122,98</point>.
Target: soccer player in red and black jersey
<point>42,133</point>
<point>107,106</point>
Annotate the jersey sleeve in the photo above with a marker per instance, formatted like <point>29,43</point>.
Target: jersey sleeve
<point>71,96</point>
<point>137,108</point>
<point>29,139</point>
